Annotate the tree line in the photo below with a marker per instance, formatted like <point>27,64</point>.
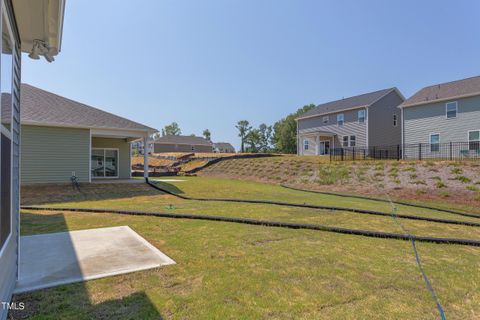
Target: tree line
<point>280,138</point>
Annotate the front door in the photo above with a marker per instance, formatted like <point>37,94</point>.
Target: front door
<point>324,147</point>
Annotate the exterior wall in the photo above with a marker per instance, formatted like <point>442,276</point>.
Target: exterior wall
<point>313,144</point>
<point>162,147</point>
<point>124,168</point>
<point>9,252</point>
<point>50,154</point>
<point>421,121</point>
<point>381,131</point>
<point>351,127</point>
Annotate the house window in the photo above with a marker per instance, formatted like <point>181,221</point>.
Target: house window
<point>451,109</point>
<point>104,163</point>
<point>193,148</point>
<point>345,141</point>
<point>6,75</point>
<point>361,116</point>
<point>394,120</point>
<point>474,140</point>
<point>434,142</point>
<point>340,119</point>
<point>305,144</point>
<point>353,141</point>
<point>325,119</point>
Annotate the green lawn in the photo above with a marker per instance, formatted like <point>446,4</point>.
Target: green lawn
<point>227,270</point>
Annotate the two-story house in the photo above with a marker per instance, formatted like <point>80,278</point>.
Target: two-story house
<point>443,114</point>
<point>370,119</point>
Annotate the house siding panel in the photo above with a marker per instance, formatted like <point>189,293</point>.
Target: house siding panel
<point>381,131</point>
<point>50,154</point>
<point>422,120</point>
<point>9,256</point>
<point>124,168</point>
<point>350,127</point>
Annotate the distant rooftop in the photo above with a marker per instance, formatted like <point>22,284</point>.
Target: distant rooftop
<point>362,100</point>
<point>444,91</point>
<point>190,140</point>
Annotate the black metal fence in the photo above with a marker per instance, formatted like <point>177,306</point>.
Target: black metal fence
<point>418,151</point>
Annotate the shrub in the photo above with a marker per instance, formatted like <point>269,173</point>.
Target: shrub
<point>456,171</point>
<point>413,176</point>
<point>440,184</point>
<point>463,179</point>
<point>444,194</point>
<point>473,188</point>
<point>328,175</point>
<point>411,169</point>
<point>436,178</point>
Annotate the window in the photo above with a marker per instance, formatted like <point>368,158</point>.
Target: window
<point>451,110</point>
<point>340,119</point>
<point>361,116</point>
<point>6,116</point>
<point>474,140</point>
<point>353,141</point>
<point>305,144</point>
<point>434,142</point>
<point>325,119</point>
<point>394,120</point>
<point>104,163</point>
<point>345,141</point>
<point>193,148</point>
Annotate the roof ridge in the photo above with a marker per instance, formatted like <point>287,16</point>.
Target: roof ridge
<point>359,95</point>
<point>83,104</point>
<point>448,82</point>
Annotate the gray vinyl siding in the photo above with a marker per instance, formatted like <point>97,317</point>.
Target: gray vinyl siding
<point>124,164</point>
<point>9,257</point>
<point>51,154</point>
<point>351,127</point>
<point>163,147</point>
<point>381,131</point>
<point>421,121</point>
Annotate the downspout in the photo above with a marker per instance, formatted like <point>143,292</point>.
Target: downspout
<point>402,130</point>
<point>367,126</point>
<point>145,157</point>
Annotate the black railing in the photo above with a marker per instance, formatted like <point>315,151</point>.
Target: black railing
<point>418,151</point>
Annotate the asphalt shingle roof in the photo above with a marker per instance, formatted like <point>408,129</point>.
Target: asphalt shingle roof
<point>347,103</point>
<point>224,145</point>
<point>190,140</point>
<point>43,107</point>
<point>438,92</point>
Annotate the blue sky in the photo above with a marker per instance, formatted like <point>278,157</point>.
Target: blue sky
<point>208,64</point>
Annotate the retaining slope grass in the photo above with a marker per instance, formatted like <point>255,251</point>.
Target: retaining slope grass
<point>225,270</point>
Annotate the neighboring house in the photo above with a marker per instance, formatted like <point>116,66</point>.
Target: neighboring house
<point>34,27</point>
<point>61,138</point>
<point>173,143</point>
<point>444,113</point>
<point>223,147</point>
<point>370,119</point>
<point>137,147</point>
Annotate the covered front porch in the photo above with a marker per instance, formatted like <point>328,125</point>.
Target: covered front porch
<point>317,143</point>
<point>110,153</point>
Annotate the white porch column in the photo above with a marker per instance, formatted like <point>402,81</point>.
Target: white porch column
<point>317,143</point>
<point>145,157</point>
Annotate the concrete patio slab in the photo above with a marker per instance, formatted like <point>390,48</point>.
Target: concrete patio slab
<point>53,259</point>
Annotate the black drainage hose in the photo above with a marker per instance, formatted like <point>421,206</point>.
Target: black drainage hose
<point>311,206</point>
<point>471,215</point>
<point>365,233</point>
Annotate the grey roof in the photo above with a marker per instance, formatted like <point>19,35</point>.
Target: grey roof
<point>223,145</point>
<point>190,140</point>
<point>443,91</point>
<point>347,103</point>
<point>46,108</point>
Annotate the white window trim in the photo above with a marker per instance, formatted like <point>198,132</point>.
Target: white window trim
<point>364,116</point>
<point>350,140</point>
<point>456,109</point>
<point>9,133</point>
<point>306,143</point>
<point>343,119</point>
<point>430,141</point>
<point>468,137</point>
<point>118,164</point>
<point>325,119</point>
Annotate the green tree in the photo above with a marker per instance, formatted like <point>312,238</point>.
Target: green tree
<point>206,134</point>
<point>265,137</point>
<point>243,127</point>
<point>172,130</point>
<point>284,136</point>
<point>253,140</point>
